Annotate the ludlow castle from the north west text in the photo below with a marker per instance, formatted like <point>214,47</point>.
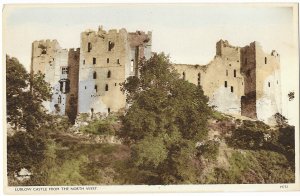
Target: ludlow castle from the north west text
<point>239,80</point>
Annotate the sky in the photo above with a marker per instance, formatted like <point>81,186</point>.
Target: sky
<point>187,32</point>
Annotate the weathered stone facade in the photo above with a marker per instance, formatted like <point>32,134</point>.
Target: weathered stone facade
<point>106,60</point>
<point>60,67</point>
<point>239,80</point>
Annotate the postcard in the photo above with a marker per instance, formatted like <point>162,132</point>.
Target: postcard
<point>133,98</point>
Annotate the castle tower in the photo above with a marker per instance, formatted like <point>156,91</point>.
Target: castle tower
<point>262,83</point>
<point>53,61</point>
<point>225,90</point>
<point>106,60</point>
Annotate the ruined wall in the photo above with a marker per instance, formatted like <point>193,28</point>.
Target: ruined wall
<point>239,80</point>
<point>102,53</point>
<point>49,58</point>
<point>252,75</point>
<point>140,47</point>
<point>262,83</point>
<point>268,85</point>
<point>248,69</point>
<point>221,79</point>
<point>73,78</point>
<point>59,97</point>
<point>106,60</point>
<point>43,58</point>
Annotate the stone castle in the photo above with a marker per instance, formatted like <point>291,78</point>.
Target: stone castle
<point>239,80</point>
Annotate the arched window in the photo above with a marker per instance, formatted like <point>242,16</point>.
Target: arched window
<point>109,74</point>
<point>59,99</point>
<point>106,87</point>
<point>96,88</point>
<point>183,75</point>
<point>266,60</point>
<point>234,73</point>
<point>94,75</point>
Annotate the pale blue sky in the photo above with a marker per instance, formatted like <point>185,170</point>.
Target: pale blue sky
<point>188,32</point>
<point>191,26</point>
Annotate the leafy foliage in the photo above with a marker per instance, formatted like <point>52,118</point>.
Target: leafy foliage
<point>251,135</point>
<point>209,150</point>
<point>100,126</point>
<point>254,167</point>
<point>166,118</point>
<point>286,140</point>
<point>24,151</point>
<point>25,94</point>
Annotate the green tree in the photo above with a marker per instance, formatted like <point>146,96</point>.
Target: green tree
<point>16,83</point>
<point>167,116</point>
<point>25,94</point>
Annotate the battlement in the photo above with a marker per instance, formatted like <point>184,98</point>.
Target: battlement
<point>101,31</point>
<point>139,38</point>
<point>47,41</point>
<point>224,48</point>
<point>74,50</point>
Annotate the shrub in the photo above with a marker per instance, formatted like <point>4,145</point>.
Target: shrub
<point>99,127</point>
<point>209,150</point>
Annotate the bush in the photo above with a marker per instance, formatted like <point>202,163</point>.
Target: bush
<point>99,127</point>
<point>209,150</point>
<point>253,167</point>
<point>286,139</point>
<point>250,135</point>
<point>25,151</point>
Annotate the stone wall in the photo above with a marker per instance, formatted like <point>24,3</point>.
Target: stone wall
<point>248,69</point>
<point>73,77</point>
<point>268,85</point>
<point>106,60</point>
<point>53,61</point>
<point>221,79</point>
<point>104,57</point>
<point>239,80</point>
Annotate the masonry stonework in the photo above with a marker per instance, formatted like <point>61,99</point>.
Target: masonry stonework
<point>60,67</point>
<point>106,60</point>
<point>239,80</point>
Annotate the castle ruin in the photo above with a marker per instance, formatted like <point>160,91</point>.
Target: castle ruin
<point>239,80</point>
